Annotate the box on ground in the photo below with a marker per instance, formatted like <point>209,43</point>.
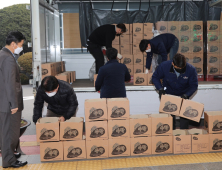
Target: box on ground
<point>213,26</point>
<point>51,151</point>
<point>140,125</point>
<point>199,68</point>
<point>162,145</point>
<point>127,59</point>
<point>196,26</point>
<point>199,140</point>
<point>170,104</point>
<point>213,68</point>
<point>95,109</point>
<point>141,146</point>
<point>130,69</point>
<point>96,130</point>
<point>119,147</point>
<point>97,149</point>
<point>149,78</point>
<point>118,129</point>
<point>191,110</point>
<point>118,108</point>
<point>215,142</point>
<point>64,77</point>
<point>47,70</point>
<point>161,26</point>
<point>95,77</point>
<point>181,141</point>
<point>138,28</point>
<point>162,124</point>
<point>213,121</point>
<point>184,26</point>
<point>71,129</point>
<point>138,59</point>
<point>126,49</point>
<point>148,28</point>
<point>140,79</point>
<point>74,149</point>
<point>47,129</point>
<point>138,69</point>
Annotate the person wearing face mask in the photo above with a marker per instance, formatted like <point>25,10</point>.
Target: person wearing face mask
<point>162,45</point>
<point>11,100</point>
<point>103,36</point>
<point>61,99</point>
<point>179,79</point>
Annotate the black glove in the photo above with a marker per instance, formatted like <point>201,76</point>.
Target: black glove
<point>161,92</point>
<point>184,96</point>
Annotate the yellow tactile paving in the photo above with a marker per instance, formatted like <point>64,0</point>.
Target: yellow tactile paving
<point>219,154</point>
<point>43,166</point>
<point>64,166</point>
<point>161,160</point>
<point>208,157</point>
<point>114,163</point>
<point>29,144</point>
<point>138,162</point>
<point>89,165</point>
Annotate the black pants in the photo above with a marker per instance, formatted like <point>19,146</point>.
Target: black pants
<point>184,123</point>
<point>97,53</point>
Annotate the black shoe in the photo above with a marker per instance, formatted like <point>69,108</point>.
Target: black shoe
<point>17,155</point>
<point>17,164</point>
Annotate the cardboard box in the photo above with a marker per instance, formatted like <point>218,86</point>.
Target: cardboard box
<point>196,37</point>
<point>95,109</point>
<point>161,26</point>
<point>191,110</point>
<point>170,104</point>
<point>197,48</point>
<point>215,142</point>
<point>47,70</point>
<point>213,37</point>
<point>199,68</point>
<point>130,69</point>
<point>199,140</point>
<point>116,41</point>
<point>74,150</point>
<point>184,48</point>
<point>138,59</point>
<point>96,130</point>
<point>137,37</point>
<point>213,58</point>
<point>196,26</point>
<point>148,36</point>
<point>195,58</point>
<point>71,129</point>
<point>149,78</point>
<point>213,68</point>
<point>213,26</point>
<point>95,77</point>
<point>181,141</point>
<point>162,124</point>
<point>173,27</point>
<point>140,79</point>
<point>162,145</point>
<point>117,47</point>
<point>141,146</point>
<point>118,108</point>
<point>63,66</point>
<point>185,37</point>
<point>128,31</point>
<point>213,48</point>
<point>137,28</point>
<point>118,129</point>
<point>140,125</point>
<point>119,147</point>
<point>213,121</point>
<point>138,69</point>
<point>63,77</point>
<point>124,39</point>
<point>126,49</point>
<point>148,28</point>
<point>97,149</point>
<point>184,26</point>
<point>127,59</point>
<point>51,151</point>
<point>136,49</point>
<point>47,129</point>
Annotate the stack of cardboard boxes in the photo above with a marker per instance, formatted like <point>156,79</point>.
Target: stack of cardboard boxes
<point>143,79</point>
<point>60,140</point>
<point>57,69</point>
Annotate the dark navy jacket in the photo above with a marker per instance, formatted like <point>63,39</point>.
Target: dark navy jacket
<point>186,83</point>
<point>160,45</point>
<point>111,80</point>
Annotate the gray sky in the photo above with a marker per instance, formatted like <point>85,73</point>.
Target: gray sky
<point>6,3</point>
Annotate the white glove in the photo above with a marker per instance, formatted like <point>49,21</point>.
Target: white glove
<point>147,71</point>
<point>119,56</point>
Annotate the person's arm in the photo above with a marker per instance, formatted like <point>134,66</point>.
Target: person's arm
<point>109,40</point>
<point>193,84</point>
<point>162,50</point>
<point>99,80</point>
<point>149,60</point>
<point>157,76</point>
<point>73,104</point>
<point>38,105</point>
<point>127,75</point>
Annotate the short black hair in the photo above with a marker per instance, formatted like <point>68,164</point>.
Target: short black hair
<point>111,53</point>
<point>143,45</point>
<point>14,36</point>
<point>122,27</point>
<point>179,60</point>
<point>49,83</point>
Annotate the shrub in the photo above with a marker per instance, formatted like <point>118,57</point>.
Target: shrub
<point>24,79</point>
<point>25,62</point>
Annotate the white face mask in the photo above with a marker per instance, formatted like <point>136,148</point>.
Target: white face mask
<point>18,50</point>
<point>51,94</point>
<point>149,50</point>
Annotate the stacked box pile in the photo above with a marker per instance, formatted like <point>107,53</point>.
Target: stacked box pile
<point>57,69</point>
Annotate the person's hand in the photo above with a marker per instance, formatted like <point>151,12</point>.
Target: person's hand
<point>184,96</point>
<point>119,56</point>
<point>61,119</point>
<point>161,92</point>
<point>14,110</point>
<point>147,71</point>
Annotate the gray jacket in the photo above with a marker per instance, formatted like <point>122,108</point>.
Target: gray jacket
<point>10,86</point>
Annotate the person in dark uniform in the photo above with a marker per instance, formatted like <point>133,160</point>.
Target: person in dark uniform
<point>161,45</point>
<point>179,79</point>
<point>112,77</point>
<point>103,36</point>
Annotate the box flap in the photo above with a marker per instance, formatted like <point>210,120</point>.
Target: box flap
<point>213,113</point>
<point>48,120</point>
<point>95,100</point>
<point>197,131</point>
<point>75,119</point>
<point>141,116</point>
<point>179,132</point>
<point>159,115</point>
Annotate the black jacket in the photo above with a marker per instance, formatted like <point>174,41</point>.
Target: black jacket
<point>160,45</point>
<point>103,35</point>
<point>111,80</point>
<point>64,103</point>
